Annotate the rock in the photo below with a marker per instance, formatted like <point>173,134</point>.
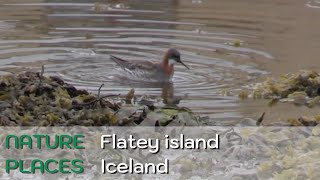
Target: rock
<point>71,90</point>
<point>247,122</point>
<point>185,118</point>
<point>5,121</point>
<point>57,79</point>
<point>4,105</point>
<point>313,102</point>
<point>299,98</point>
<point>316,130</point>
<point>308,121</point>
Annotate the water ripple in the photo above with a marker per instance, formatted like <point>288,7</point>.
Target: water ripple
<point>74,41</point>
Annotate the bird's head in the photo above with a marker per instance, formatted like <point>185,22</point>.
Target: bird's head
<point>174,57</point>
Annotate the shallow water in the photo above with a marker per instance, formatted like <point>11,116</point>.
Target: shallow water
<point>227,45</point>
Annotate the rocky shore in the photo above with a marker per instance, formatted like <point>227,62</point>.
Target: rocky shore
<point>32,99</point>
<point>278,152</point>
<point>301,89</point>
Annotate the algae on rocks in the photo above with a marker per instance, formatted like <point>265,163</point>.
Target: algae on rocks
<point>302,88</point>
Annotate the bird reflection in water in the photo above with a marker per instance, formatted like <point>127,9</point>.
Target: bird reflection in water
<point>167,91</point>
<point>168,95</point>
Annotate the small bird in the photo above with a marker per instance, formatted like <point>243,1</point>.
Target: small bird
<point>151,71</point>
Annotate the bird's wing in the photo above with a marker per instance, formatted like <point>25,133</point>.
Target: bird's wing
<point>144,70</point>
<point>134,65</point>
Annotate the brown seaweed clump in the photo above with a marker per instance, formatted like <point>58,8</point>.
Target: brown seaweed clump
<point>302,88</point>
<point>31,99</point>
<point>307,82</point>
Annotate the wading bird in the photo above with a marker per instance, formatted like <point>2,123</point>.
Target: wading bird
<point>151,71</point>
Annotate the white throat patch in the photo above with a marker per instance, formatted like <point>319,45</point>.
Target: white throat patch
<point>172,62</point>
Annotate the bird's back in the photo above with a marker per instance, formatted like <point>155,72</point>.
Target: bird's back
<point>141,70</point>
<point>121,62</point>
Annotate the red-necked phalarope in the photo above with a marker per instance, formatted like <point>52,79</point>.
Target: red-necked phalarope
<point>152,71</point>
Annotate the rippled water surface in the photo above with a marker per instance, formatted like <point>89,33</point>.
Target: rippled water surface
<point>227,44</point>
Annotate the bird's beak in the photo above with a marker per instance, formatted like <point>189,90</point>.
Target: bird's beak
<point>184,64</point>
